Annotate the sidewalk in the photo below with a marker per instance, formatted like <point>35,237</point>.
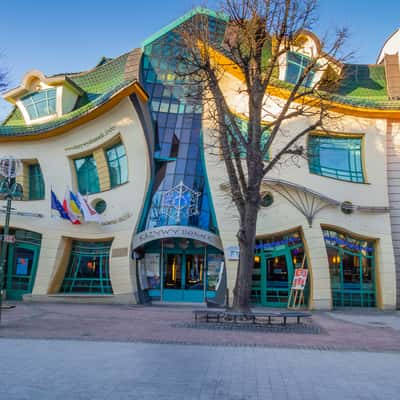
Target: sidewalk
<point>354,330</point>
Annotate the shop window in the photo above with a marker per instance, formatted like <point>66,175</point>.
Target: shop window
<point>117,164</point>
<point>336,157</point>
<point>296,64</point>
<point>40,104</point>
<point>88,269</point>
<point>86,173</point>
<point>36,182</point>
<point>352,269</point>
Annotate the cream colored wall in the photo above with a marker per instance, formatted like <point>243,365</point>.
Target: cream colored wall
<point>283,216</point>
<point>67,101</point>
<point>124,203</point>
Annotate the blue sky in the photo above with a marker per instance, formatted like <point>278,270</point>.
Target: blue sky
<point>66,36</point>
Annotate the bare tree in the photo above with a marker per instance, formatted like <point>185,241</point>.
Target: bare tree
<point>259,35</point>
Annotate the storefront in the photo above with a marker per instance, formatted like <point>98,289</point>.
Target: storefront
<point>275,260</point>
<point>352,269</point>
<point>22,262</point>
<point>180,269</point>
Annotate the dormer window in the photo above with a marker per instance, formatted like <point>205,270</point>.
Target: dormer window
<point>296,64</point>
<point>40,104</point>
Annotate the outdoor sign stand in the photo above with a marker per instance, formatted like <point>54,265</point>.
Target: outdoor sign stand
<point>296,297</point>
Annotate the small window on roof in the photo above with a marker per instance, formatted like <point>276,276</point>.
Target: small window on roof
<point>296,64</point>
<point>40,104</point>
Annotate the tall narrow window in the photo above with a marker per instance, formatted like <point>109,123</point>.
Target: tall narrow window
<point>336,157</point>
<point>296,63</point>
<point>117,164</point>
<point>86,173</point>
<point>36,182</point>
<point>40,104</point>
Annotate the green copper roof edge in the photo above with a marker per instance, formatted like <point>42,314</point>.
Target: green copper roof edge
<point>181,20</point>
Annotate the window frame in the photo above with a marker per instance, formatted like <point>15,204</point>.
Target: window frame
<point>30,104</point>
<point>42,187</point>
<point>308,82</point>
<point>354,175</point>
<point>84,157</point>
<point>117,158</point>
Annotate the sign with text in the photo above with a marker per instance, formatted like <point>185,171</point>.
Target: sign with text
<point>8,238</point>
<point>299,279</point>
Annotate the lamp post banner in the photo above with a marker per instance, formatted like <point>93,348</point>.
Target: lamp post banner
<point>163,232</point>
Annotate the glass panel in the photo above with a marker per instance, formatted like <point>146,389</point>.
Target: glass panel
<point>338,158</point>
<point>88,269</point>
<point>86,171</point>
<point>40,104</point>
<point>296,63</point>
<point>172,272</point>
<point>277,272</point>
<point>36,183</point>
<point>22,269</point>
<point>215,266</point>
<point>117,165</point>
<point>194,271</point>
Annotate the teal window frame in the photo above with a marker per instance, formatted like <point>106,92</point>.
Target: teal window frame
<point>36,182</point>
<point>40,104</point>
<point>87,175</point>
<point>295,65</point>
<point>79,278</point>
<point>117,162</point>
<point>349,151</point>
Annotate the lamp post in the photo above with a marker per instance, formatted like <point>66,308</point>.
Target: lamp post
<point>10,168</point>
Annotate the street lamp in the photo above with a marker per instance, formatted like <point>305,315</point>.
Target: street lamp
<point>10,168</point>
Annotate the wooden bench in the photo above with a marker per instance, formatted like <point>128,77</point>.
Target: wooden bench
<point>293,314</point>
<point>208,314</point>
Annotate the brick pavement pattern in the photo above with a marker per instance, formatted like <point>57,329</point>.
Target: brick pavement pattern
<point>161,324</point>
<point>79,370</point>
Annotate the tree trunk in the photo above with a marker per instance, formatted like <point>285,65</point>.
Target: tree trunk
<point>246,238</point>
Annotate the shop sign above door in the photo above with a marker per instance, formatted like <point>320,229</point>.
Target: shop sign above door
<point>164,232</point>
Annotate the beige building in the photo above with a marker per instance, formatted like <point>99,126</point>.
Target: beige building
<point>122,139</point>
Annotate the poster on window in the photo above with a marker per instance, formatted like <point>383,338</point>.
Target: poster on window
<point>215,268</point>
<point>152,266</point>
<point>300,279</point>
<point>22,266</point>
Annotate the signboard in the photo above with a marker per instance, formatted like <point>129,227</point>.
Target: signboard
<point>8,238</point>
<point>232,253</point>
<point>187,232</point>
<point>299,279</point>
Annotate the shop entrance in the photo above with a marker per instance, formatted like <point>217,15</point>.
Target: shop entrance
<point>22,262</point>
<point>274,263</point>
<point>181,270</point>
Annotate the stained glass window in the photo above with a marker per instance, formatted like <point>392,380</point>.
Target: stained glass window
<point>336,157</point>
<point>40,104</point>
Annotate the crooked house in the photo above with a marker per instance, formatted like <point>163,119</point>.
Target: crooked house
<point>126,137</point>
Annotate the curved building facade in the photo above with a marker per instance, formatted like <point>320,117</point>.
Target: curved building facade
<point>144,213</point>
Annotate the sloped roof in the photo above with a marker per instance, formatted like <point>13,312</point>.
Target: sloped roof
<point>99,84</point>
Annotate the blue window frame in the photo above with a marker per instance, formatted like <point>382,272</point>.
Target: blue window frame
<point>117,164</point>
<point>86,173</point>
<point>296,63</point>
<point>40,104</point>
<point>36,182</point>
<point>336,157</point>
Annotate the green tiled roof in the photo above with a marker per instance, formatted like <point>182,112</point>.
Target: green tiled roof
<point>99,85</point>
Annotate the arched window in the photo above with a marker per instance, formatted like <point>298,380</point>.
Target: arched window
<point>296,63</point>
<point>40,104</point>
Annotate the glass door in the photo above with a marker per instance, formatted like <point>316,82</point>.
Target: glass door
<point>279,275</point>
<point>22,265</point>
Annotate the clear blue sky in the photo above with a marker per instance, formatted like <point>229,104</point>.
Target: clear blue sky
<point>71,35</point>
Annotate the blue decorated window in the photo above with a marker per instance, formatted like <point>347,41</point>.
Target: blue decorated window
<point>40,104</point>
<point>336,157</point>
<point>86,173</point>
<point>117,164</point>
<point>296,63</point>
<point>36,182</point>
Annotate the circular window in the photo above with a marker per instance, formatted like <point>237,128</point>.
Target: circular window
<point>347,207</point>
<point>99,205</point>
<point>267,200</point>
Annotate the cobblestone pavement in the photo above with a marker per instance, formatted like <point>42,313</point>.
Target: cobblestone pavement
<point>163,324</point>
<point>79,370</point>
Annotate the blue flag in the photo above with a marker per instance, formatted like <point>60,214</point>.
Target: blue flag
<point>56,205</point>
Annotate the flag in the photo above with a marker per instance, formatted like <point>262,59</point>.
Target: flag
<point>74,204</point>
<point>89,214</point>
<point>56,205</point>
<point>67,207</point>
